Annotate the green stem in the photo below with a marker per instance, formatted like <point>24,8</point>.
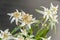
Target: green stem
<point>42,32</point>
<point>14,30</point>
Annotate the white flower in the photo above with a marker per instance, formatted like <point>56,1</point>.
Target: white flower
<point>15,16</point>
<point>53,21</point>
<point>5,35</point>
<point>54,8</point>
<point>24,32</point>
<point>49,13</point>
<point>27,19</point>
<point>49,38</point>
<point>30,37</point>
<point>20,38</point>
<point>46,13</point>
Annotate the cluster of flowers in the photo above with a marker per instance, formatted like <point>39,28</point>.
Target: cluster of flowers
<point>6,35</point>
<point>50,14</point>
<point>24,20</point>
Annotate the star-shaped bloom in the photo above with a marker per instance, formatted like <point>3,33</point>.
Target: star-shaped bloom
<point>49,13</point>
<point>54,8</point>
<point>46,13</point>
<point>15,16</point>
<point>5,35</point>
<point>53,21</point>
<point>27,20</point>
<point>49,38</point>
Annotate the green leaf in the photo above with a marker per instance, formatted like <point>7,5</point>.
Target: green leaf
<point>31,31</point>
<point>42,33</point>
<point>0,39</point>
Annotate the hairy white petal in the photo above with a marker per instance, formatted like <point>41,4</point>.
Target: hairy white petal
<point>22,24</point>
<point>49,38</point>
<point>17,10</point>
<point>12,20</point>
<point>16,21</point>
<point>39,11</point>
<point>6,31</point>
<point>29,26</point>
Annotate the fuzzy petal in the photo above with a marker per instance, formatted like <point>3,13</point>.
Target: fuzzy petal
<point>12,20</point>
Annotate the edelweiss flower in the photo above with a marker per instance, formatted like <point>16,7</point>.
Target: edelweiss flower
<point>27,19</point>
<point>54,8</point>
<point>15,16</point>
<point>20,38</point>
<point>30,38</point>
<point>47,13</point>
<point>5,35</point>
<point>49,38</point>
<point>53,21</point>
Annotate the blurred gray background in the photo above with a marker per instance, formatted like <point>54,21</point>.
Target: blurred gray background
<point>8,6</point>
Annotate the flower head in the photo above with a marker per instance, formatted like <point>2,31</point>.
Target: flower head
<point>27,19</point>
<point>54,8</point>
<point>5,35</point>
<point>46,13</point>
<point>15,16</point>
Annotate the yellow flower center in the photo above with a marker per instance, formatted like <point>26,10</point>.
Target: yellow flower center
<point>48,11</point>
<point>16,14</point>
<point>5,35</point>
<point>27,18</point>
<point>54,9</point>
